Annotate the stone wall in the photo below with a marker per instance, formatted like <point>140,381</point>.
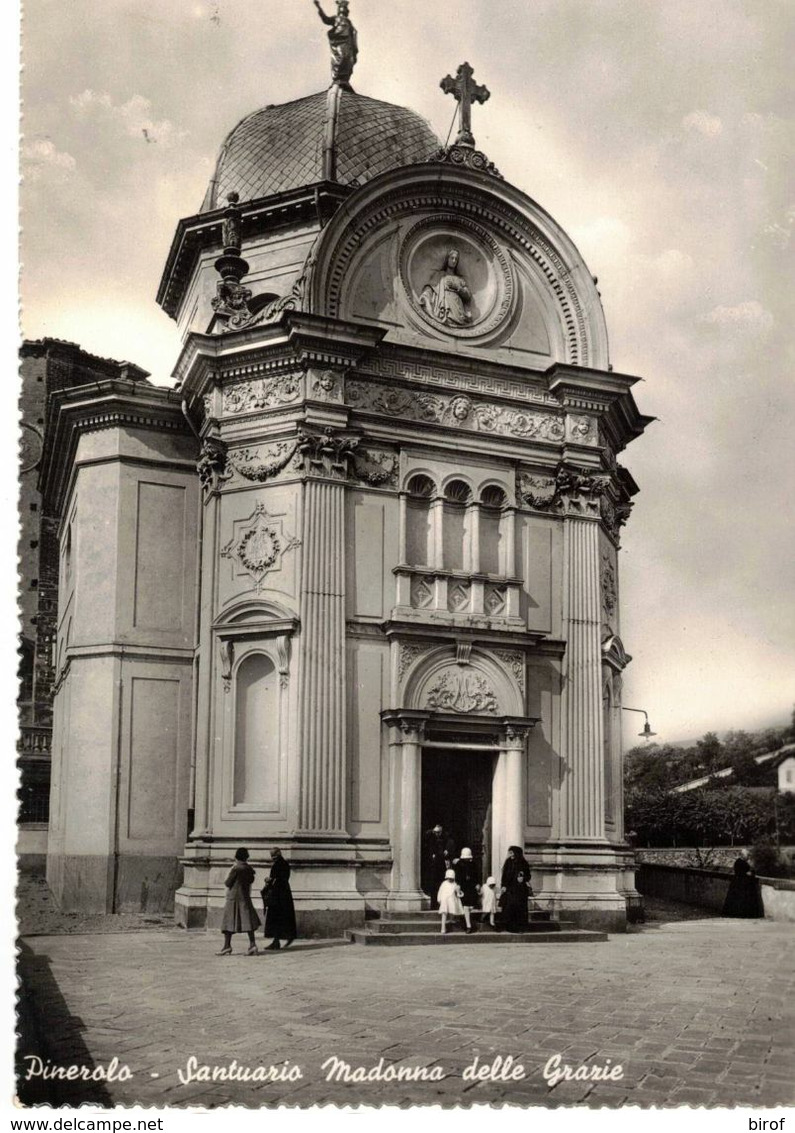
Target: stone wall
<point>706,889</point>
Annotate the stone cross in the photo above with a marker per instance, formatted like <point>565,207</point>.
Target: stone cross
<point>465,91</point>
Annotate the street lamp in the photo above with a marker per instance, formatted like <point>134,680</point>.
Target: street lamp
<point>647,733</point>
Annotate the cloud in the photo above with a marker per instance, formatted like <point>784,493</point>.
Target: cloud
<point>41,156</point>
<point>749,316</point>
<point>135,116</point>
<point>703,123</point>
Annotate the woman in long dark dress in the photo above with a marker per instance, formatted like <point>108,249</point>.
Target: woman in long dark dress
<point>515,883</point>
<point>467,880</point>
<point>278,900</point>
<point>239,912</point>
<point>743,898</point>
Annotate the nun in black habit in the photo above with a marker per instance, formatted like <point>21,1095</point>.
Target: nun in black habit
<point>515,883</point>
<point>743,898</point>
<point>277,897</point>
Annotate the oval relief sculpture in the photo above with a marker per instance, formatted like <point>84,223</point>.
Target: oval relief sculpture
<point>447,298</point>
<point>456,277</point>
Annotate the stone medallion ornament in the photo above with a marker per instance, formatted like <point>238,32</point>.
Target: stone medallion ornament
<point>457,278</point>
<point>258,545</point>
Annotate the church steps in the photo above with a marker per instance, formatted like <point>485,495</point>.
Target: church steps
<point>431,924</point>
<point>395,939</point>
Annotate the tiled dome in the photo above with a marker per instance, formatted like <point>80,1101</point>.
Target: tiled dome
<point>336,135</point>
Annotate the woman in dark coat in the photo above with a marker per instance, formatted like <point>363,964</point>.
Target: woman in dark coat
<point>743,898</point>
<point>239,912</point>
<point>515,883</point>
<point>467,880</point>
<point>278,900</point>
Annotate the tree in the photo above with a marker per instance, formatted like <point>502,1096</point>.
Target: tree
<point>710,752</point>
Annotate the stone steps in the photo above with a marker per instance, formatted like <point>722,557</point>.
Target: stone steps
<point>368,936</point>
<point>432,924</point>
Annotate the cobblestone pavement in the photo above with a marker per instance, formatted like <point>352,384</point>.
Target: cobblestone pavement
<point>695,1012</point>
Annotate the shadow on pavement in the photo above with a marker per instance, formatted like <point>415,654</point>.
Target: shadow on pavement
<point>48,1031</point>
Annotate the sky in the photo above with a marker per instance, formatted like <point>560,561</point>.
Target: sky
<point>657,132</point>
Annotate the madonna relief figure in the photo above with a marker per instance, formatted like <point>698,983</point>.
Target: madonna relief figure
<point>446,297</point>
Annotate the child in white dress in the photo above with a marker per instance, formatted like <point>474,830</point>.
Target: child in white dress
<point>488,901</point>
<point>449,898</point>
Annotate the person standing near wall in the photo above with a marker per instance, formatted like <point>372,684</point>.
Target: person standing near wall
<point>239,912</point>
<point>277,897</point>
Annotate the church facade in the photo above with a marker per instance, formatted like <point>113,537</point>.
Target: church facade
<point>358,573</point>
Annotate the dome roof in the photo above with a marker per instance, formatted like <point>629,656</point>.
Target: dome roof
<point>335,135</point>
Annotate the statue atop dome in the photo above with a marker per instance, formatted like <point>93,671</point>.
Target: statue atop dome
<point>344,46</point>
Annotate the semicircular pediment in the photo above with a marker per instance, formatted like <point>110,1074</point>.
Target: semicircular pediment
<point>477,687</point>
<point>459,260</point>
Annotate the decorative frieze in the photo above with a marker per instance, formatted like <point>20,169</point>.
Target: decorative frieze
<point>473,383</point>
<point>262,393</point>
<point>263,462</point>
<point>458,411</point>
<point>462,692</point>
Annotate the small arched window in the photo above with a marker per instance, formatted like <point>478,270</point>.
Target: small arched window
<point>492,502</point>
<point>457,495</point>
<point>419,543</point>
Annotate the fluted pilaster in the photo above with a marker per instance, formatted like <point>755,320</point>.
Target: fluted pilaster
<point>583,788</point>
<point>322,653</point>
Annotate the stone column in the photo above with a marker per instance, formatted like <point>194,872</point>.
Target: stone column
<point>405,894</point>
<point>508,532</point>
<point>321,729</point>
<point>509,796</point>
<point>473,529</point>
<point>582,811</point>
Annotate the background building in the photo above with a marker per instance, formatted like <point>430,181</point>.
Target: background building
<point>47,367</point>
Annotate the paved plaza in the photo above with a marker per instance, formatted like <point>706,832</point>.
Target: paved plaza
<point>696,1013</point>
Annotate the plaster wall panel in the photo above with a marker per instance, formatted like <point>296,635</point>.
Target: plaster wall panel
<point>536,569</point>
<point>153,757</point>
<point>96,553</point>
<point>159,557</point>
<point>89,754</point>
<point>544,766</point>
<point>373,520</point>
<point>366,697</point>
<point>157,570</point>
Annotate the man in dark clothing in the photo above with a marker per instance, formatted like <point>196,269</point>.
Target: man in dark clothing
<point>437,857</point>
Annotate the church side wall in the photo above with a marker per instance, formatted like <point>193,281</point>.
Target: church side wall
<point>122,721</point>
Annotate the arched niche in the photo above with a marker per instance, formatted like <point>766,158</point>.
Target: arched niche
<point>403,238</point>
<point>251,669</point>
<point>255,778</point>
